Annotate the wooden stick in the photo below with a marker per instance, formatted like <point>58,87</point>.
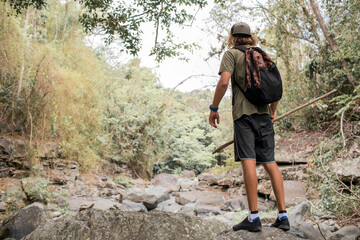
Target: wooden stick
<point>282,116</point>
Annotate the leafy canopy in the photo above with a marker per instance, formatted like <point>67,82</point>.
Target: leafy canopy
<point>122,20</point>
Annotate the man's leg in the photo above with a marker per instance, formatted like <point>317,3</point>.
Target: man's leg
<point>252,222</point>
<point>282,220</point>
<point>277,184</point>
<point>251,182</point>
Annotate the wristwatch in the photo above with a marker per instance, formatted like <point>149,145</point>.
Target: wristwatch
<point>213,109</point>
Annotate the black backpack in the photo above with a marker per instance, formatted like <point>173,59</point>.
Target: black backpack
<point>262,76</point>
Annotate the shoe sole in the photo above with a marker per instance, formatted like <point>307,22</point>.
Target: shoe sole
<point>283,227</point>
<point>254,229</point>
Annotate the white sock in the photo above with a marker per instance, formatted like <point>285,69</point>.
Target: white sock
<point>282,214</point>
<point>253,215</point>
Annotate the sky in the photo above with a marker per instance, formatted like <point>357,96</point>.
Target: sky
<point>172,70</point>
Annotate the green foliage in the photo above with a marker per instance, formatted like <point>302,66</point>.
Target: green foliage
<point>309,67</point>
<point>334,197</point>
<point>40,190</point>
<point>19,5</point>
<point>123,20</point>
<point>124,181</point>
<point>71,95</point>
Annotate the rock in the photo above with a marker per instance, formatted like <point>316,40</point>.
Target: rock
<point>169,206</point>
<point>266,233</point>
<point>150,196</point>
<point>13,193</point>
<point>2,207</point>
<point>23,222</point>
<point>226,178</point>
<point>300,212</point>
<point>14,148</point>
<point>347,170</point>
<point>169,181</point>
<point>264,187</point>
<point>263,205</point>
<point>202,197</point>
<point>184,198</point>
<point>48,150</point>
<point>187,184</point>
<point>235,205</point>
<point>235,192</point>
<point>296,148</point>
<point>189,209</point>
<point>97,224</point>
<point>348,232</point>
<point>305,230</point>
<point>188,174</point>
<point>5,147</point>
<point>299,227</point>
<point>136,207</point>
<point>102,204</point>
<point>208,210</point>
<point>295,172</point>
<point>295,192</point>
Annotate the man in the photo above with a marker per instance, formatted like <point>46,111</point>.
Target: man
<point>253,129</point>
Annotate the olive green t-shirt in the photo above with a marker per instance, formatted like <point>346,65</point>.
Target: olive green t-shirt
<point>233,62</point>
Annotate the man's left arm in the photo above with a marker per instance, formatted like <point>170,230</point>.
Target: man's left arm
<point>219,94</point>
<point>273,107</point>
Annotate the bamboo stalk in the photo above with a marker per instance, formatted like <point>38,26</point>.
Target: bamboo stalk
<point>282,116</point>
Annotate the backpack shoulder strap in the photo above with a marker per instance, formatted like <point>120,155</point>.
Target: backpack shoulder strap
<point>241,48</point>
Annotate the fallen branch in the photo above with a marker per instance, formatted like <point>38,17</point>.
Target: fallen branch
<point>28,197</point>
<point>282,116</point>
<point>320,230</point>
<point>346,187</point>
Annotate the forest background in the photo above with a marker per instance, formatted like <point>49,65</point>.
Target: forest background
<point>53,87</point>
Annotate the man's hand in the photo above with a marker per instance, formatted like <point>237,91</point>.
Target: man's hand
<point>272,117</point>
<point>214,116</point>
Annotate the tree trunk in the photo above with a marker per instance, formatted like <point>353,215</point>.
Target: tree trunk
<point>312,22</point>
<point>331,41</point>
<point>22,67</point>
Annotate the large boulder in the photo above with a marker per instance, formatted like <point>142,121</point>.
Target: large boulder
<point>202,197</point>
<point>150,197</point>
<point>295,192</point>
<point>300,227</point>
<point>100,203</point>
<point>229,177</point>
<point>266,233</point>
<point>346,233</point>
<point>295,148</point>
<point>234,205</point>
<point>187,184</point>
<point>136,207</point>
<point>94,224</point>
<point>14,148</point>
<point>169,181</point>
<point>288,172</point>
<point>169,206</point>
<point>241,203</point>
<point>188,174</point>
<point>347,170</point>
<point>23,222</point>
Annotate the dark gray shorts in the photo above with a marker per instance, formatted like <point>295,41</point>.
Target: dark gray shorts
<point>254,138</point>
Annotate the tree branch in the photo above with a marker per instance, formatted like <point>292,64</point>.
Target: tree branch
<point>331,41</point>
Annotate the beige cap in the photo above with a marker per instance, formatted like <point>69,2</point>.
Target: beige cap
<point>240,29</point>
